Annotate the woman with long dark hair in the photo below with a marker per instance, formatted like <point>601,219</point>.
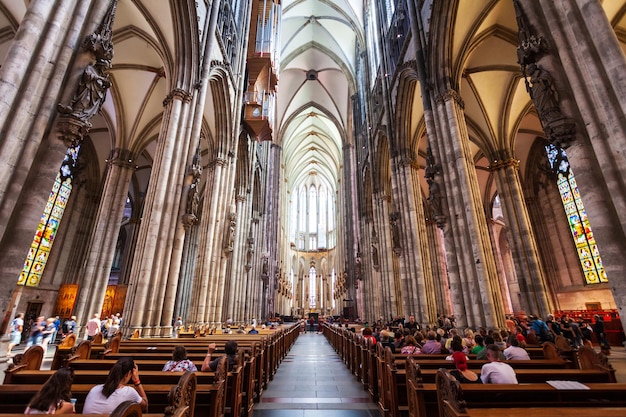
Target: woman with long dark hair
<point>103,399</point>
<point>54,395</point>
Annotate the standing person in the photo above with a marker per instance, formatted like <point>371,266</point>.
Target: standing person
<point>179,361</point>
<point>36,330</point>
<point>496,372</point>
<point>178,325</point>
<point>17,326</point>
<point>113,329</point>
<point>412,325</point>
<point>93,326</point>
<point>598,330</point>
<point>54,395</point>
<point>230,349</point>
<point>57,326</point>
<point>69,326</point>
<point>104,398</point>
<point>47,333</point>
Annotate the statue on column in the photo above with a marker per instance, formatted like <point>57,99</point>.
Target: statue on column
<point>434,190</point>
<point>544,95</point>
<point>395,233</point>
<point>91,92</point>
<point>375,259</point>
<point>192,211</point>
<point>74,122</point>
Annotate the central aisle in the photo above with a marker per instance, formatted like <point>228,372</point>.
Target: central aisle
<point>312,381</point>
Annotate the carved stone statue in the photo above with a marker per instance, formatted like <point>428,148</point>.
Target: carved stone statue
<point>91,92</point>
<point>375,259</point>
<point>193,199</point>
<point>544,95</point>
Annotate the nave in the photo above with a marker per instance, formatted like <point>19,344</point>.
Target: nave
<point>312,381</point>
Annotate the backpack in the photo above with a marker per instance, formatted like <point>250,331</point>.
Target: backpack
<point>66,326</point>
<point>543,333</point>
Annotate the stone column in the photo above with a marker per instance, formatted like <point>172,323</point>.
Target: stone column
<point>151,276</point>
<point>416,275</point>
<point>475,289</point>
<point>441,283</point>
<point>528,267</point>
<point>29,163</point>
<point>203,281</point>
<point>103,240</point>
<point>577,35</point>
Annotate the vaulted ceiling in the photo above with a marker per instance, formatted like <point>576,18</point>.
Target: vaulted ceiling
<point>316,80</point>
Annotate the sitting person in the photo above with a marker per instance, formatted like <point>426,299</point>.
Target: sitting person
<point>367,334</point>
<point>179,361</point>
<point>386,341</point>
<point>456,346</point>
<point>253,330</point>
<point>230,349</point>
<point>54,395</point>
<point>479,344</point>
<point>514,351</point>
<point>410,346</point>
<point>104,398</point>
<point>496,372</point>
<point>461,373</point>
<point>432,346</point>
<point>482,355</point>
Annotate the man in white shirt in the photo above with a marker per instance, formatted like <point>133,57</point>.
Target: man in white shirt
<point>514,351</point>
<point>93,326</point>
<point>496,372</point>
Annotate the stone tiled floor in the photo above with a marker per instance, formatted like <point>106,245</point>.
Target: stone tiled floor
<point>312,381</point>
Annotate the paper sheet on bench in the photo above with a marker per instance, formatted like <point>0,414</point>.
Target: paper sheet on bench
<point>567,385</point>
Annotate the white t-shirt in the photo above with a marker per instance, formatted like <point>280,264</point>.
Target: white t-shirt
<point>516,353</point>
<point>498,373</point>
<point>97,403</point>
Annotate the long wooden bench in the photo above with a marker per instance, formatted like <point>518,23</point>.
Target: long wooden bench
<point>455,399</point>
<point>165,398</point>
<point>385,376</point>
<point>172,389</point>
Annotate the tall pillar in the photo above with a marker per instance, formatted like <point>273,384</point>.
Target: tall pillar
<point>28,99</point>
<point>408,225</point>
<point>575,44</point>
<point>477,300</point>
<point>103,239</point>
<point>152,277</point>
<point>528,267</point>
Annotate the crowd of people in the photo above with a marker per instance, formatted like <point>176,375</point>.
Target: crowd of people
<point>494,345</point>
<point>43,331</point>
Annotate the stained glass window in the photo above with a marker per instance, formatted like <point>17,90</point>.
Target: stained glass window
<point>39,251</point>
<point>588,253</point>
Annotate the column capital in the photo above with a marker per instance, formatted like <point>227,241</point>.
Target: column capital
<point>450,95</point>
<point>179,94</point>
<point>498,164</point>
<point>122,158</point>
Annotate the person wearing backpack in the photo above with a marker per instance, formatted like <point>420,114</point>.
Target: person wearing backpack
<point>17,325</point>
<point>69,326</point>
<point>541,329</point>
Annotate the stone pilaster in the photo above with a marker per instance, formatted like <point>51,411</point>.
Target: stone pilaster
<point>528,267</point>
<point>416,275</point>
<point>54,30</point>
<point>474,289</point>
<point>103,239</point>
<point>157,262</point>
<point>594,96</point>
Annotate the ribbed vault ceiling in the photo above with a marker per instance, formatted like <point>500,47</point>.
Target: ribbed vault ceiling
<point>316,80</point>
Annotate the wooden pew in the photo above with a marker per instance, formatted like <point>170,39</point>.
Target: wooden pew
<point>167,398</point>
<point>455,399</point>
